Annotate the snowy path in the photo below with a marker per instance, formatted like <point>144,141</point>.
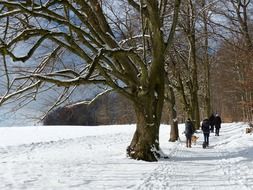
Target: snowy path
<point>94,158</point>
<point>220,166</point>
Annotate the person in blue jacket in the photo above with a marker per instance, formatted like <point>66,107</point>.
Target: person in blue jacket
<point>189,130</point>
<point>205,126</point>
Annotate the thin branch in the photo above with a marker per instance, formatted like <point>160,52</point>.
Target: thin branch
<point>174,24</point>
<point>59,101</point>
<point>8,96</point>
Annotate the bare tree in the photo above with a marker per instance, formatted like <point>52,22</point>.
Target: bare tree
<point>83,28</point>
<point>190,63</point>
<point>206,59</point>
<point>171,99</point>
<point>183,63</point>
<point>235,57</point>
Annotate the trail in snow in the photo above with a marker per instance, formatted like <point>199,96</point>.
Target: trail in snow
<point>94,158</point>
<point>226,164</point>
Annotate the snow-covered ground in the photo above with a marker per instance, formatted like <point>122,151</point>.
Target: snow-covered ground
<point>80,158</point>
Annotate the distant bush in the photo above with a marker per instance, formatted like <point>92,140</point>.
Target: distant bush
<point>110,108</point>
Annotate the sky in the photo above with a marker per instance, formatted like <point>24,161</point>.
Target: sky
<point>84,158</point>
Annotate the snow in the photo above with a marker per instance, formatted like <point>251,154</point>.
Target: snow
<point>84,158</point>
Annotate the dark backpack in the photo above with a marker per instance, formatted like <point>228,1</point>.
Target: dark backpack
<point>205,126</point>
<point>188,128</point>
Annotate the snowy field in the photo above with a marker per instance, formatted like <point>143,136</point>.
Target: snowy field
<point>93,158</point>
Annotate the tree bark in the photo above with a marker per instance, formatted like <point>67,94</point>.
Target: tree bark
<point>193,62</point>
<point>145,142</point>
<point>206,62</point>
<point>174,123</point>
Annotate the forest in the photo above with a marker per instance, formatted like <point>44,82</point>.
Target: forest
<point>194,55</point>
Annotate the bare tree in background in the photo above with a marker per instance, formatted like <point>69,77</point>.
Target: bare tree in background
<point>206,58</point>
<point>235,58</point>
<point>183,63</point>
<point>191,58</point>
<point>132,66</point>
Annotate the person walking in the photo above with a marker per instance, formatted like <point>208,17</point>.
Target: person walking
<point>189,130</point>
<point>205,126</point>
<point>217,124</point>
<point>211,120</point>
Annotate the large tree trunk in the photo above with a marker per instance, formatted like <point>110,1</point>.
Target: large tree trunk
<point>148,108</point>
<point>145,142</point>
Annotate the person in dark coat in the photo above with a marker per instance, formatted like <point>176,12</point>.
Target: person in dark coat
<point>189,130</point>
<point>211,120</point>
<point>205,126</point>
<point>217,124</point>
